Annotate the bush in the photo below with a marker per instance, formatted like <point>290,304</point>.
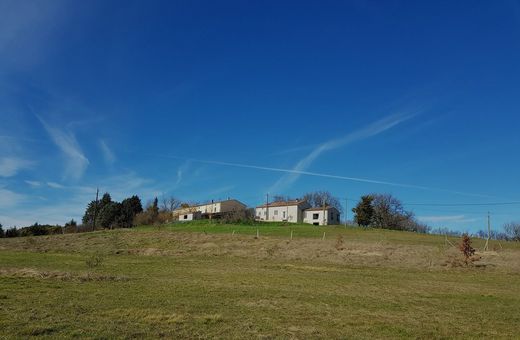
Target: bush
<point>466,249</point>
<point>41,229</point>
<point>12,232</point>
<point>94,260</point>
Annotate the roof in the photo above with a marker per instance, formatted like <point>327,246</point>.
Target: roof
<point>192,208</point>
<point>320,209</point>
<point>282,203</point>
<point>215,202</point>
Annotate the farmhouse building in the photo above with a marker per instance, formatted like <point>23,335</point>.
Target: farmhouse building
<point>321,216</point>
<point>209,210</point>
<point>284,211</point>
<point>297,211</point>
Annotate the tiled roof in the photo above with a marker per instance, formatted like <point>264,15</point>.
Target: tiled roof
<point>320,209</point>
<point>283,203</point>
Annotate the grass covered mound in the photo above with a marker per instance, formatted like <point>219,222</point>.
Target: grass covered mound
<point>203,280</point>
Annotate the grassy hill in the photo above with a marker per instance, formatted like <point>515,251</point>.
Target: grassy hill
<point>203,280</point>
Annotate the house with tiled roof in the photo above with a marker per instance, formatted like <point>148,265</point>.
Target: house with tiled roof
<point>214,209</point>
<point>297,211</point>
<point>282,211</point>
<point>321,216</point>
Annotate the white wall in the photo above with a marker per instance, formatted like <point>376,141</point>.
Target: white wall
<point>189,216</point>
<point>331,217</point>
<point>292,213</point>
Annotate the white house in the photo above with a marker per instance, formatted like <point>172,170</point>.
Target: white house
<point>321,216</point>
<point>284,211</point>
<point>208,210</point>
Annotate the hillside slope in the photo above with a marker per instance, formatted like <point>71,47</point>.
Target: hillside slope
<point>204,280</point>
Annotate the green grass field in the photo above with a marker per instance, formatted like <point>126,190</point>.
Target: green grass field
<point>202,280</point>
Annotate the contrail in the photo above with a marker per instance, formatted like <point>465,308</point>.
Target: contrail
<point>345,178</point>
<point>371,130</point>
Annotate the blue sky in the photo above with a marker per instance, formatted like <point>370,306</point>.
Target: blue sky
<point>206,100</point>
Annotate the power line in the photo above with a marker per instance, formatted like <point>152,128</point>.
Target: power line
<point>462,204</point>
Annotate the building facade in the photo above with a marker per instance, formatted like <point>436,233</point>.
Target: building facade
<point>322,216</point>
<point>209,210</point>
<point>285,211</point>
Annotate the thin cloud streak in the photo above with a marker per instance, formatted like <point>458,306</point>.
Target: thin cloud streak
<point>10,166</point>
<point>108,155</point>
<point>366,132</point>
<point>77,163</point>
<point>346,178</point>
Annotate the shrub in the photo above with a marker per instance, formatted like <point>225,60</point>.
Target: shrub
<point>12,232</point>
<point>466,249</point>
<point>339,243</point>
<point>94,260</point>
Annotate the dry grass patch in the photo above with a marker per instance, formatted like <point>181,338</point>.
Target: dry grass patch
<point>58,275</point>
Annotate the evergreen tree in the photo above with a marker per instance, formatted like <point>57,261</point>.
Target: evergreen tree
<point>129,208</point>
<point>2,233</point>
<point>109,215</point>
<point>364,211</point>
<point>71,223</point>
<point>154,209</point>
<point>94,208</point>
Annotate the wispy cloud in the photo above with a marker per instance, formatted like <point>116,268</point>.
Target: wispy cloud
<point>181,170</point>
<point>77,163</point>
<point>34,184</point>
<point>9,198</point>
<point>9,166</point>
<point>108,155</point>
<point>55,185</point>
<point>364,133</point>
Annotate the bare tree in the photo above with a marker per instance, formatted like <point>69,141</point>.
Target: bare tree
<point>512,230</point>
<point>389,213</point>
<point>322,199</point>
<point>280,198</point>
<point>170,204</point>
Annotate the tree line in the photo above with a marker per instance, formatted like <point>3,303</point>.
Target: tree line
<point>386,212</point>
<point>374,210</point>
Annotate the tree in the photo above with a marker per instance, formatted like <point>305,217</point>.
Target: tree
<point>154,208</point>
<point>466,249</point>
<point>170,204</point>
<point>71,223</point>
<point>512,231</point>
<point>2,233</point>
<point>93,209</point>
<point>364,211</point>
<point>280,198</point>
<point>389,213</point>
<point>130,207</point>
<point>322,199</point>
<point>109,215</point>
<point>105,200</point>
<point>12,232</point>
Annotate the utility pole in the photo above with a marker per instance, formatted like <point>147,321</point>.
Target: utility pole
<point>486,246</point>
<point>324,204</point>
<point>346,212</point>
<point>95,210</point>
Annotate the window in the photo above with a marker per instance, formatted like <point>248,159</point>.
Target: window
<point>315,216</point>
<point>284,214</point>
<point>275,212</point>
<point>185,217</point>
